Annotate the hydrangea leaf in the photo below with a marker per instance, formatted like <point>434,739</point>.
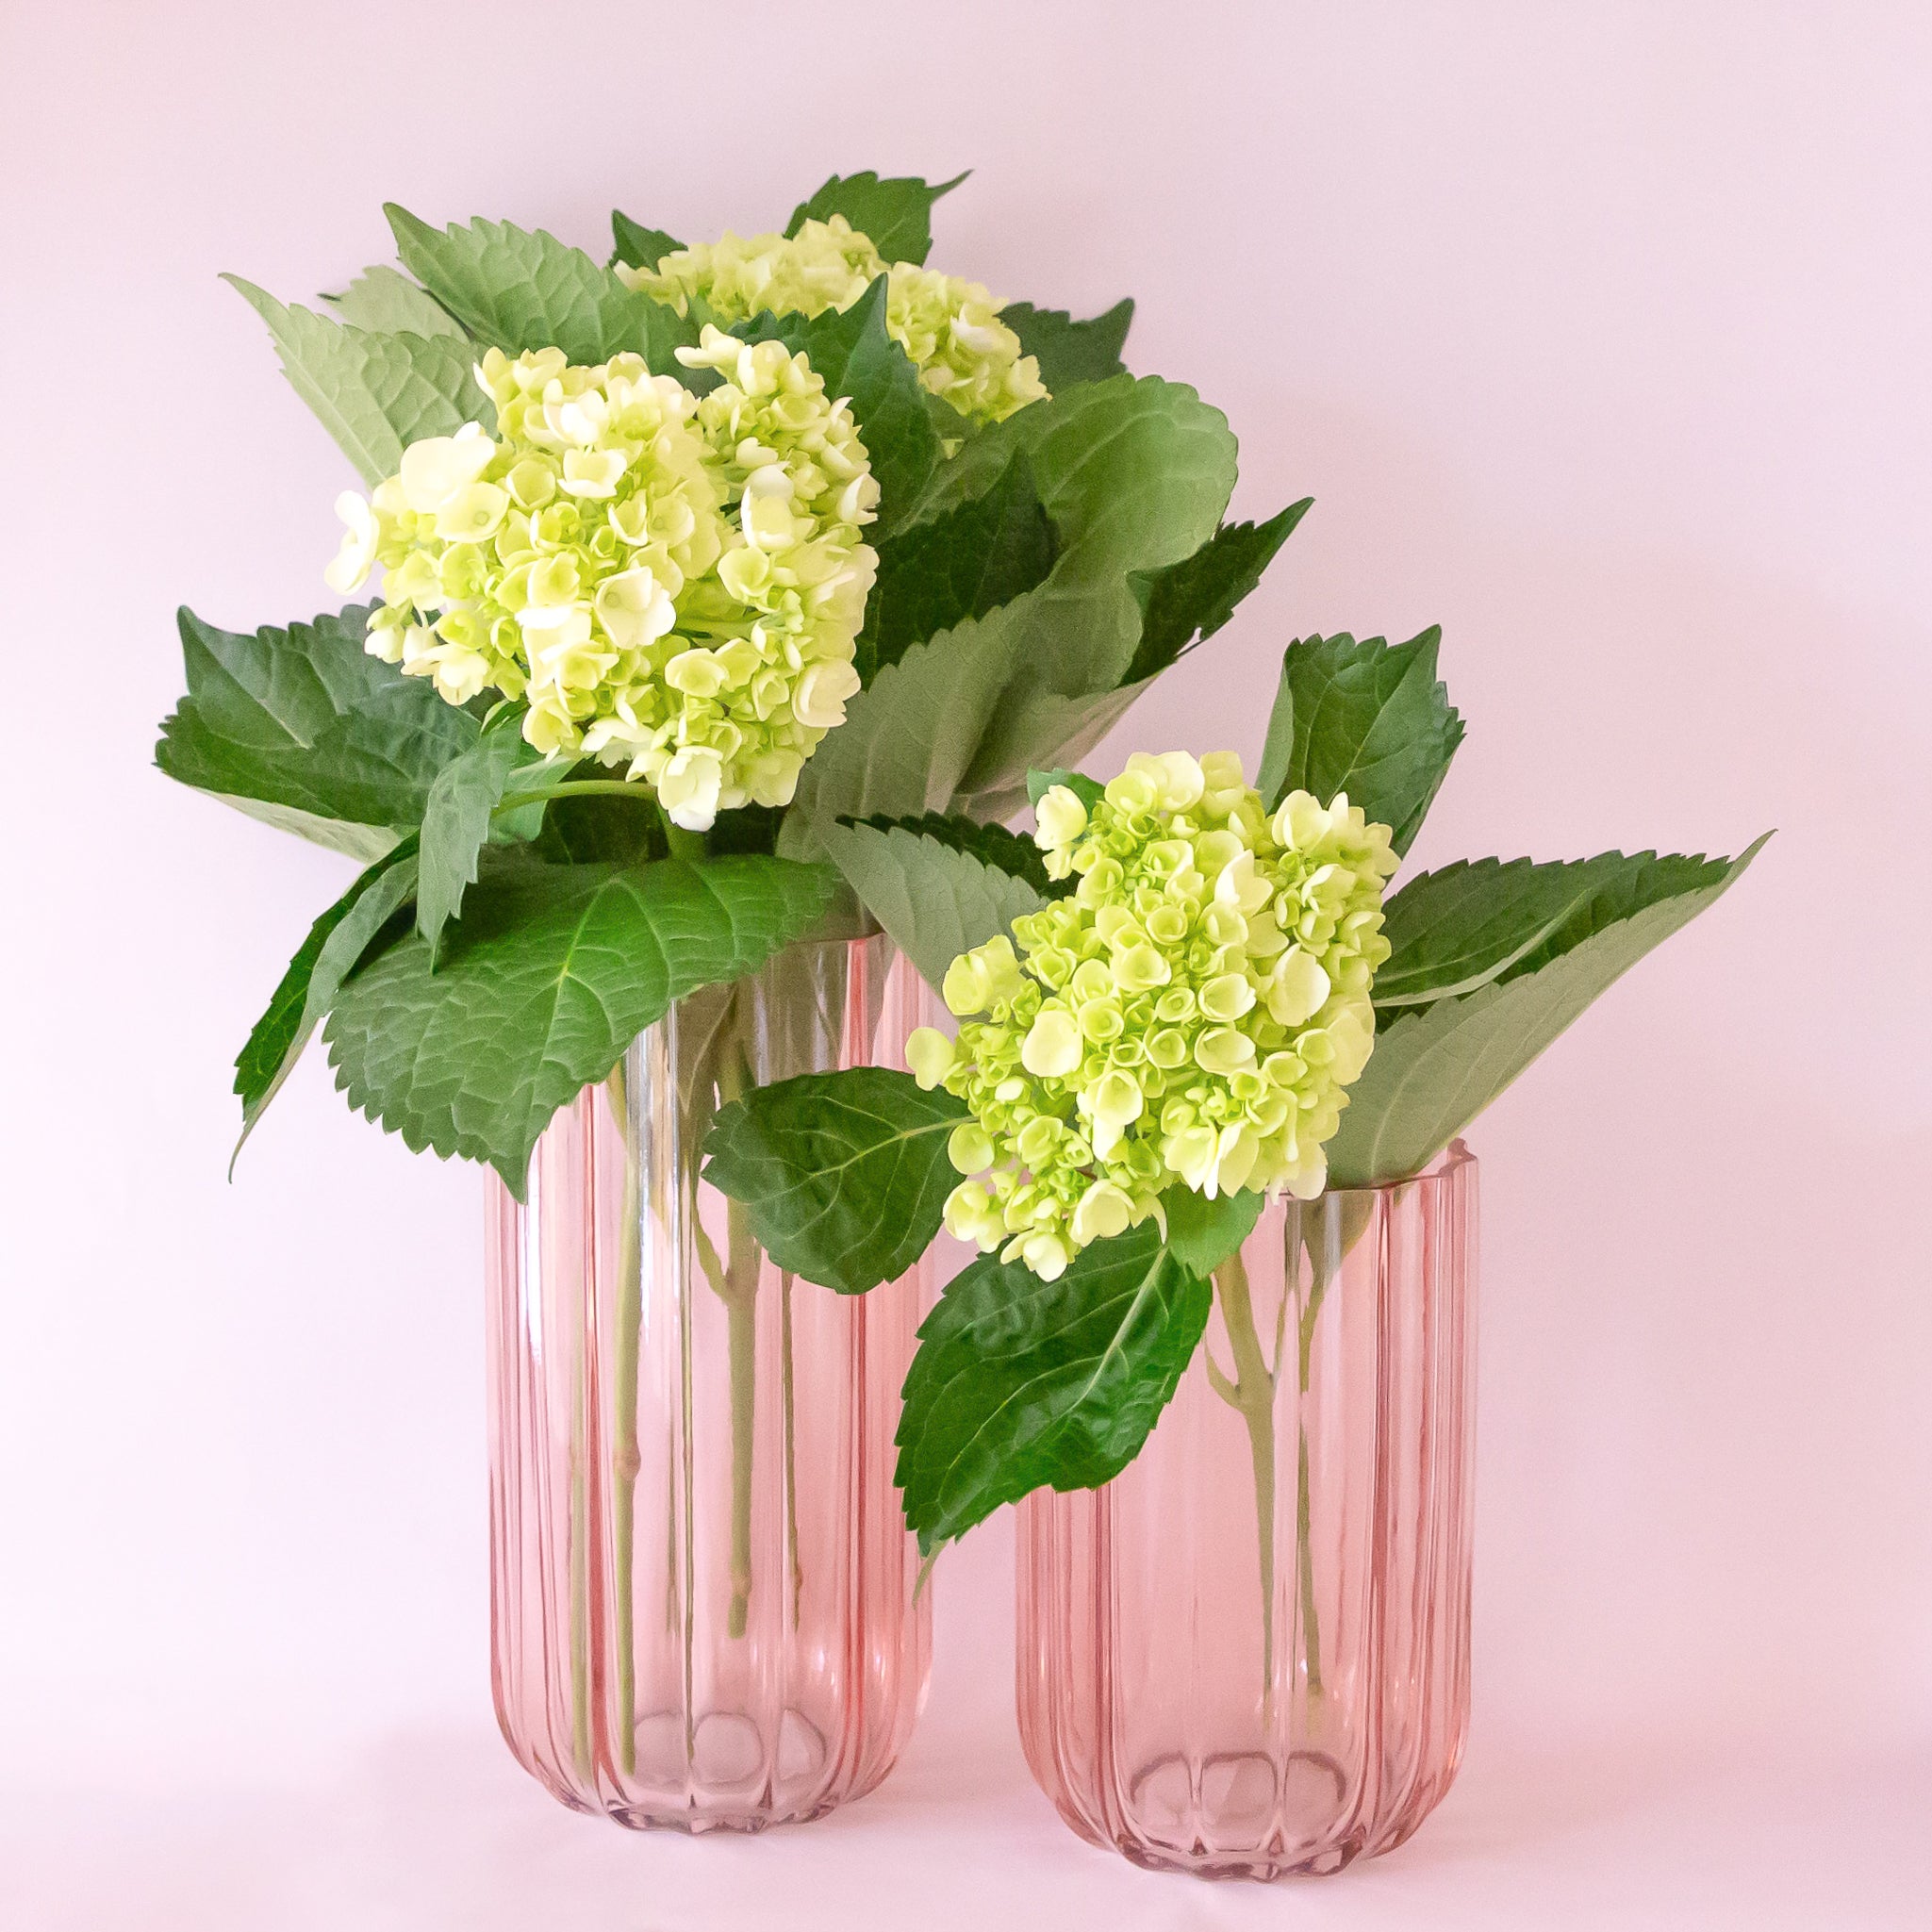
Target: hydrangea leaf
<point>374,393</point>
<point>1368,719</point>
<point>1071,352</point>
<point>336,943</point>
<point>548,976</point>
<point>1188,602</point>
<point>456,818</point>
<point>992,845</point>
<point>519,289</point>
<point>1202,1233</point>
<point>934,899</point>
<point>895,214</point>
<point>844,1175</point>
<point>1458,929</point>
<point>851,350</point>
<point>979,555</point>
<point>638,247</point>
<point>1020,1383</point>
<point>1434,1069</point>
<point>1134,475</point>
<point>385,301</point>
<point>1088,790</point>
<point>304,727</point>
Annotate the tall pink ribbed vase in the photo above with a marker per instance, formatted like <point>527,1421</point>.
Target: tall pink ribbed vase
<point>702,1586</point>
<point>1248,1654</point>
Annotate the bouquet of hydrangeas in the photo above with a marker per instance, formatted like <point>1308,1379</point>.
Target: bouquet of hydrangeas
<point>737,594</point>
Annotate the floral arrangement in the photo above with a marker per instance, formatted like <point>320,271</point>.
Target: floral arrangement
<point>739,594</point>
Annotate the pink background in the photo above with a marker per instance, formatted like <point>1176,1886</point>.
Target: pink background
<point>1599,332</point>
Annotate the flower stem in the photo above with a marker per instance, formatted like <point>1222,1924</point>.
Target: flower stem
<point>1252,1392</point>
<point>627,1460</point>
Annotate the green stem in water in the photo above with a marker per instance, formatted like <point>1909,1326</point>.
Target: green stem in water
<point>627,1460</point>
<point>791,1445</point>
<point>580,1571</point>
<point>1252,1392</point>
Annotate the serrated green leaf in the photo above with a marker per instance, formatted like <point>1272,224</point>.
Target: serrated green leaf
<point>636,246</point>
<point>1434,1070</point>
<point>844,1175</point>
<point>336,943</point>
<point>519,289</point>
<point>374,393</point>
<point>456,818</point>
<point>1368,719</point>
<point>307,725</point>
<point>1070,352</point>
<point>1020,1383</point>
<point>851,349</point>
<point>1457,929</point>
<point>548,976</point>
<point>1134,475</point>
<point>1202,1233</point>
<point>386,302</point>
<point>1188,602</point>
<point>1012,853</point>
<point>933,900</point>
<point>1089,791</point>
<point>895,214</point>
<point>977,556</point>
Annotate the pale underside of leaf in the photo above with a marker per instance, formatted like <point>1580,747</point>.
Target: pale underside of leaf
<point>384,300</point>
<point>1432,1072</point>
<point>934,903</point>
<point>374,393</point>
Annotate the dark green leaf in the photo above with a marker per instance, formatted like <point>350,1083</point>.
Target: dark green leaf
<point>1455,929</point>
<point>1190,601</point>
<point>895,215</point>
<point>521,290</point>
<point>456,818</point>
<point>977,556</point>
<point>1202,1233</point>
<point>374,393</point>
<point>1370,720</point>
<point>843,1174</point>
<point>386,302</point>
<point>638,247</point>
<point>1070,352</point>
<point>335,944</point>
<point>936,898</point>
<point>1007,851</point>
<point>307,722</point>
<point>604,829</point>
<point>851,349</point>
<point>1435,1068</point>
<point>548,976</point>
<point>1089,791</point>
<point>1021,1382</point>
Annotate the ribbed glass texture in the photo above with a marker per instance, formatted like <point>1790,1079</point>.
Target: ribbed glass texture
<point>1248,1654</point>
<point>701,1585</point>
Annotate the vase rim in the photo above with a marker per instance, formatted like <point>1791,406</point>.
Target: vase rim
<point>1445,1166</point>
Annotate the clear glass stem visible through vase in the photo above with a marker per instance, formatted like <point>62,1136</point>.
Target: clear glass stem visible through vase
<point>686,1631</point>
<point>1187,1693</point>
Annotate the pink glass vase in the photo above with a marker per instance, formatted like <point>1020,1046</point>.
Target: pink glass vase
<point>1248,1654</point>
<point>702,1586</point>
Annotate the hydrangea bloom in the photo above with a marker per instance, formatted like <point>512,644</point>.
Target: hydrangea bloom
<point>673,584</point>
<point>1193,1012</point>
<point>950,328</point>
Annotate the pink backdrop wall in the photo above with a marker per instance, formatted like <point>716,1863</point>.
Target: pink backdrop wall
<point>1600,334</point>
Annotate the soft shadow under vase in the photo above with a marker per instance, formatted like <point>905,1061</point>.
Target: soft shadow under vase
<point>1248,1654</point>
<point>702,1600</point>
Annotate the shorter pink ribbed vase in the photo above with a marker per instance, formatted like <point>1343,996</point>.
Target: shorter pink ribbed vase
<point>1248,1654</point>
<point>701,1596</point>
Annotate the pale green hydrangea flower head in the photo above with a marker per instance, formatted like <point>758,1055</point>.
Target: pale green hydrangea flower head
<point>674,585</point>
<point>1194,1013</point>
<point>950,328</point>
